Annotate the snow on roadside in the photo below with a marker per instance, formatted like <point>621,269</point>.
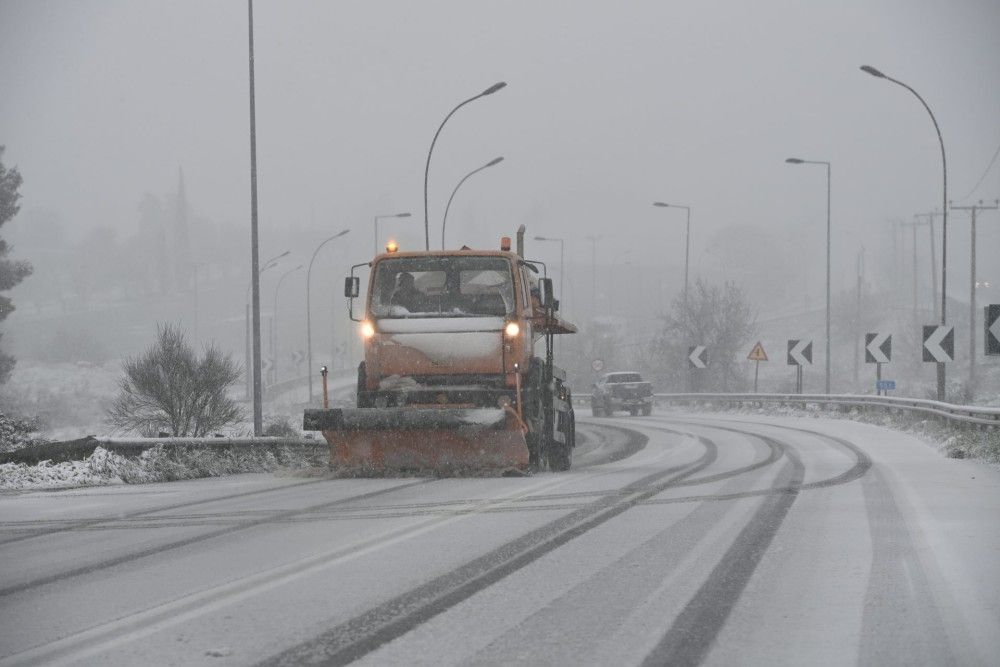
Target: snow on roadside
<point>950,439</point>
<point>104,468</point>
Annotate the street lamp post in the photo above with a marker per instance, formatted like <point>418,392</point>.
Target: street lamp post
<point>444,222</point>
<point>489,91</point>
<point>258,415</point>
<point>562,248</point>
<point>383,217</point>
<point>687,241</point>
<point>274,322</point>
<point>944,215</point>
<point>795,160</point>
<point>309,349</point>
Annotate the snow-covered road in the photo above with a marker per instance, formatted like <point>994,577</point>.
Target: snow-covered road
<point>676,539</point>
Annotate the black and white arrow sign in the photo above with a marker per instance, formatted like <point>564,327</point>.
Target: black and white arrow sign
<point>698,356</point>
<point>992,321</point>
<point>878,348</point>
<point>939,343</point>
<point>800,352</point>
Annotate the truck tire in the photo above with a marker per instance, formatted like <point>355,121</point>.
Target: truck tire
<point>595,409</point>
<point>561,453</point>
<point>633,411</point>
<point>534,416</point>
<point>362,394</point>
<point>647,410</point>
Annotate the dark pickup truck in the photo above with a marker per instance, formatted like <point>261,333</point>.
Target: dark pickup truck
<point>621,391</point>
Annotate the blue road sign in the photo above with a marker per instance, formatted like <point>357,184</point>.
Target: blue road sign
<point>885,385</point>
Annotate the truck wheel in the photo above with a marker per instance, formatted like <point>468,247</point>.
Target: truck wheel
<point>608,412</point>
<point>633,411</point>
<point>534,414</point>
<point>647,410</point>
<point>595,410</point>
<point>561,453</point>
<point>362,399</point>
<point>560,457</point>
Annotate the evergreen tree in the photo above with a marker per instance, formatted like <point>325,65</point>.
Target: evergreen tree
<point>11,272</point>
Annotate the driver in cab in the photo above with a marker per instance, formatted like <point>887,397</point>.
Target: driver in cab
<point>406,293</point>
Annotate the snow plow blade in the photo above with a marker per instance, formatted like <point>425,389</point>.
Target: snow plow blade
<point>440,440</point>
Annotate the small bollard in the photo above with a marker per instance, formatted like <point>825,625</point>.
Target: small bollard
<point>326,393</point>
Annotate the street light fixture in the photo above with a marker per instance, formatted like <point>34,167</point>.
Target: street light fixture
<point>868,69</point>
<point>795,160</point>
<point>444,222</point>
<point>489,91</point>
<point>274,322</point>
<point>562,247</point>
<point>687,241</point>
<point>309,349</point>
<point>383,217</point>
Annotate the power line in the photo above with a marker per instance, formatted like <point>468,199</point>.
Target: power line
<point>985,173</point>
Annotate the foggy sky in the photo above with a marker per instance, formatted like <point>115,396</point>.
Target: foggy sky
<point>609,107</point>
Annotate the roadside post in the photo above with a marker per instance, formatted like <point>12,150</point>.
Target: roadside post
<point>697,360</point>
<point>878,351</point>
<point>757,355</point>
<point>326,392</point>
<point>800,353</point>
<point>991,322</point>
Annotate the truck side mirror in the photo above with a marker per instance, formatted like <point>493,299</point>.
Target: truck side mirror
<point>352,286</point>
<point>547,296</point>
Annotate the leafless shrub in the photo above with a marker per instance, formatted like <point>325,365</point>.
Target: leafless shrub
<point>169,389</point>
<point>720,318</point>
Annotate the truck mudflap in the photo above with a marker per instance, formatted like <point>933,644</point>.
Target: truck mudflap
<point>417,439</point>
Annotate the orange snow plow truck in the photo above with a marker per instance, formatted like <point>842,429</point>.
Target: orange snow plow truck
<point>451,380</point>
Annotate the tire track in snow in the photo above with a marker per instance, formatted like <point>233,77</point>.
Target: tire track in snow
<point>394,618</point>
<point>151,551</point>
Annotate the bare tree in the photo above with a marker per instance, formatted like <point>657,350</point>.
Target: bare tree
<point>721,319</point>
<point>169,389</point>
<point>12,272</point>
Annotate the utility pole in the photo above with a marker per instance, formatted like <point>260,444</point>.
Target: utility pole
<point>972,285</point>
<point>929,217</point>
<point>915,266</point>
<point>857,314</point>
<point>593,274</point>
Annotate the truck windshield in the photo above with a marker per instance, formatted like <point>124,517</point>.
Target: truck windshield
<point>442,287</point>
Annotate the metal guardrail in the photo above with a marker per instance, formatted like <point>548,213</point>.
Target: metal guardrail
<point>967,414</point>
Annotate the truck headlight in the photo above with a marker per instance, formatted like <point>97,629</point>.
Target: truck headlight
<point>512,329</point>
<point>367,329</point>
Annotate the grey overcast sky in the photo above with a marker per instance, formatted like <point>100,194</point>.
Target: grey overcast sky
<point>610,106</point>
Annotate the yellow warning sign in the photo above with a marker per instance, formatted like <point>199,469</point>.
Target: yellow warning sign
<point>757,353</point>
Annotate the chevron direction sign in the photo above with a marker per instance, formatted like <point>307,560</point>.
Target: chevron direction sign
<point>992,321</point>
<point>698,356</point>
<point>878,348</point>
<point>800,352</point>
<point>939,343</point>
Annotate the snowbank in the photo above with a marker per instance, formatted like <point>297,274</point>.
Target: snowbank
<point>159,464</point>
